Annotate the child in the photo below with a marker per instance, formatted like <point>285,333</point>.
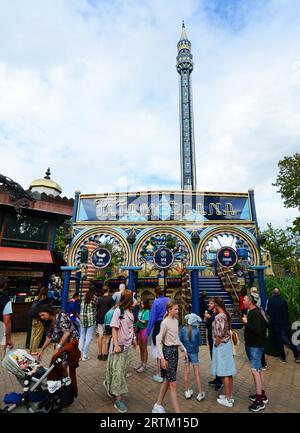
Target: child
<point>190,337</point>
<point>167,342</point>
<point>142,322</point>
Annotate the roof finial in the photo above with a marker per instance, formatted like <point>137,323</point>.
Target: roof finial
<point>47,174</point>
<point>183,32</point>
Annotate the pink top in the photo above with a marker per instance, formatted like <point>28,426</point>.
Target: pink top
<point>220,328</point>
<point>125,328</point>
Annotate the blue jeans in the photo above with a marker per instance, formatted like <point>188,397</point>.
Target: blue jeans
<point>255,355</point>
<point>86,336</point>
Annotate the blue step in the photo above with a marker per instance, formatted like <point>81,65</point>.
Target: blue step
<point>213,287</point>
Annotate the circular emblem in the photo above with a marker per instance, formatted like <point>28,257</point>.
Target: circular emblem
<point>227,257</point>
<point>163,258</point>
<point>101,258</point>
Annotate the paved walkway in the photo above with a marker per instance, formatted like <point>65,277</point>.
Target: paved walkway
<point>282,384</point>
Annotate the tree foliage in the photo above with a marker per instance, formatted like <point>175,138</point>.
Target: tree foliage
<point>60,242</point>
<point>288,182</point>
<point>284,246</point>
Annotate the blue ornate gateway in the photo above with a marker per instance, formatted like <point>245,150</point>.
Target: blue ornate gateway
<point>160,235</point>
<point>187,228</point>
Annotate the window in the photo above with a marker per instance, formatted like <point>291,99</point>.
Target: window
<point>25,231</point>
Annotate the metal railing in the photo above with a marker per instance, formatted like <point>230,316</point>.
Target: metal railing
<point>230,284</point>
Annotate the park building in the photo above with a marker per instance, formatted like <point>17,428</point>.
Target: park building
<point>29,219</point>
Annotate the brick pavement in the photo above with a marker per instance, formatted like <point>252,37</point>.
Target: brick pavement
<point>282,384</point>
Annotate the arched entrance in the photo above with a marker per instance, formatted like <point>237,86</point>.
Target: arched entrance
<point>87,241</point>
<point>150,241</point>
<point>241,240</point>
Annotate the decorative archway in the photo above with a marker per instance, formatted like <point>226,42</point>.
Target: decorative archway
<point>150,240</point>
<point>93,237</point>
<point>237,234</point>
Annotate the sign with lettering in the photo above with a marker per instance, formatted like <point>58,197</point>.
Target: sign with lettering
<point>164,206</point>
<point>163,257</point>
<point>34,274</point>
<point>227,257</point>
<point>101,258</point>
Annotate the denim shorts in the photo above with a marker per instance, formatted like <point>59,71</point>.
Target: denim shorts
<point>254,355</point>
<point>193,358</point>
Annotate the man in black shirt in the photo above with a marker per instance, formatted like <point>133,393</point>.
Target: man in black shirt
<point>255,336</point>
<point>279,316</point>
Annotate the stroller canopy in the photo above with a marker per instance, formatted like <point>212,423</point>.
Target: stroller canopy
<point>16,361</point>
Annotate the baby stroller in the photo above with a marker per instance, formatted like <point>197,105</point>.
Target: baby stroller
<point>39,394</point>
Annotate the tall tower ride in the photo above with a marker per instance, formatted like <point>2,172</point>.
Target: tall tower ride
<point>184,66</point>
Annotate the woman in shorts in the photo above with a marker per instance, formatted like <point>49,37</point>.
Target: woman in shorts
<point>167,343</point>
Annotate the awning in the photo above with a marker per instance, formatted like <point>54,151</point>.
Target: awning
<point>9,254</point>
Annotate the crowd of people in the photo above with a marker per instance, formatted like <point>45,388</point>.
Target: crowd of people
<point>119,330</point>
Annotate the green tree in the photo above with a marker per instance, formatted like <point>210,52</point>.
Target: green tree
<point>60,242</point>
<point>284,246</point>
<point>288,182</point>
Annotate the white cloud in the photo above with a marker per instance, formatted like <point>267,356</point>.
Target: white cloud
<point>91,90</point>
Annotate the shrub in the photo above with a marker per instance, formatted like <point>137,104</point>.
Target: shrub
<point>290,291</point>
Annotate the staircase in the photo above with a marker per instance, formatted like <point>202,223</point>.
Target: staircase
<point>213,287</point>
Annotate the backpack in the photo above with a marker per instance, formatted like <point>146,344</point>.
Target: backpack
<point>109,315</point>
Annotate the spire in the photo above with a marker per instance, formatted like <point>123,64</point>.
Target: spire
<point>184,66</point>
<point>183,36</point>
<point>47,174</point>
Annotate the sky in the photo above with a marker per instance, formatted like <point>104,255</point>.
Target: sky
<point>90,89</point>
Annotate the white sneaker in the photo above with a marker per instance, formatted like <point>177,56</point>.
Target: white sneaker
<point>188,394</point>
<point>225,402</point>
<point>222,396</point>
<point>157,408</point>
<point>201,396</point>
<point>157,378</point>
<point>85,358</point>
<point>137,367</point>
<point>141,369</point>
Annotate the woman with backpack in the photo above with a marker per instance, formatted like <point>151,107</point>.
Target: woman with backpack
<point>88,313</point>
<point>37,326</point>
<point>122,339</point>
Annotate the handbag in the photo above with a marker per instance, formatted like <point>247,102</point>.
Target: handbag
<point>234,337</point>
